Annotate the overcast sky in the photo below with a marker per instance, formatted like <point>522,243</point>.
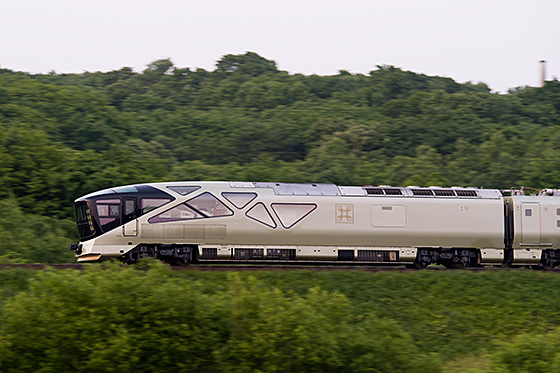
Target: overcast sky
<point>498,42</point>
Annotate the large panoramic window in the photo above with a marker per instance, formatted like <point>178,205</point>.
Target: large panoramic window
<point>239,200</point>
<point>199,207</point>
<point>291,213</point>
<point>209,205</point>
<point>261,214</point>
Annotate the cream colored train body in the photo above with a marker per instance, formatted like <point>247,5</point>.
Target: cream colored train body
<point>185,222</point>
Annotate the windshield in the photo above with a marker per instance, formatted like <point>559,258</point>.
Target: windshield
<point>84,220</point>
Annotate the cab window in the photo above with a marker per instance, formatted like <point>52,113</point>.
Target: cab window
<point>109,212</point>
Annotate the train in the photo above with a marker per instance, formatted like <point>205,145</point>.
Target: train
<point>249,222</point>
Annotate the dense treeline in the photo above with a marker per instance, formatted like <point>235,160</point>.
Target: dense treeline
<point>64,135</point>
<point>131,320</point>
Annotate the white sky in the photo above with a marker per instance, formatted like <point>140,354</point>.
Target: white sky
<point>498,42</point>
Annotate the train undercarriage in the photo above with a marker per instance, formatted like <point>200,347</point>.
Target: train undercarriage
<point>418,258</point>
<point>172,254</point>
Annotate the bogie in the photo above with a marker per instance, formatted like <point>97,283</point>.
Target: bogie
<point>172,254</point>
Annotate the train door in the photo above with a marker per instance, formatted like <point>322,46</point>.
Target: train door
<point>130,214</point>
<point>530,223</point>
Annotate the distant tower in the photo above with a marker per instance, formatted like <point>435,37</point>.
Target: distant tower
<point>543,71</point>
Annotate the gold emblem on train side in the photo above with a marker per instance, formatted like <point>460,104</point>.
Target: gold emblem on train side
<point>344,214</point>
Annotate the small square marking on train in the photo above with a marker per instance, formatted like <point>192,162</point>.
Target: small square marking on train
<point>344,213</point>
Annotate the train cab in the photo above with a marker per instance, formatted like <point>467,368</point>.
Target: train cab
<point>101,212</point>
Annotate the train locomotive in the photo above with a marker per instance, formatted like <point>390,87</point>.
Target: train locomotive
<point>189,222</point>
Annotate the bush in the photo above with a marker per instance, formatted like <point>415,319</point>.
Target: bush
<point>533,353</point>
<point>129,320</point>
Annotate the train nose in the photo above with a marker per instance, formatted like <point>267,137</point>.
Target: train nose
<point>76,248</point>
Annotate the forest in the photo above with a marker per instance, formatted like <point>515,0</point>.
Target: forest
<point>65,135</point>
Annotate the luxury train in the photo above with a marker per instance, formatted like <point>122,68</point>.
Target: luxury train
<point>184,222</point>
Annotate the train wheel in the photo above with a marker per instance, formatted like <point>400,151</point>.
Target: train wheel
<point>463,259</point>
<point>548,261</point>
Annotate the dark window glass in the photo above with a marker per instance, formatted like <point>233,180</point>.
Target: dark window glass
<point>114,210</point>
<point>84,220</point>
<point>128,207</point>
<point>528,212</point>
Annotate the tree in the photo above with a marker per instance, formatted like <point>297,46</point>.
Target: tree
<point>244,66</point>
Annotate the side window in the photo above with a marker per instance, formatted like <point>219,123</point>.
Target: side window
<point>109,212</point>
<point>209,205</point>
<point>528,212</point>
<point>261,214</point>
<point>180,212</point>
<point>108,207</point>
<point>200,207</point>
<point>128,207</point>
<point>114,210</point>
<point>183,190</point>
<point>291,213</point>
<point>239,200</point>
<point>149,204</point>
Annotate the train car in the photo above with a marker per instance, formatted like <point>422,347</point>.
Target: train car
<point>534,235</point>
<point>183,222</point>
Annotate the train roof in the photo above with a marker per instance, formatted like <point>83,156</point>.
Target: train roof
<point>319,189</point>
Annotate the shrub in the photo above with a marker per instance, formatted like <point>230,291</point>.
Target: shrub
<point>130,320</point>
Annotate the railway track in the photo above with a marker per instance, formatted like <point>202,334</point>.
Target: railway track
<point>241,267</point>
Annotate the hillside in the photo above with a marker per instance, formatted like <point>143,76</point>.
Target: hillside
<point>65,135</point>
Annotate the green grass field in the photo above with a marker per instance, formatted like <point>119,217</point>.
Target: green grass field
<point>153,320</point>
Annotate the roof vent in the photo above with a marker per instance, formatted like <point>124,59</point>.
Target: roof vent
<point>392,191</point>
<point>444,193</point>
<point>375,191</point>
<point>466,193</point>
<point>422,192</point>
